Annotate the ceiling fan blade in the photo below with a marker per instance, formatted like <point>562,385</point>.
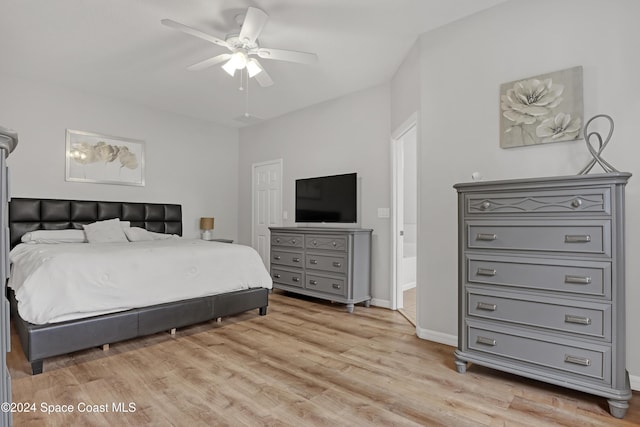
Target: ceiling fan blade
<point>287,55</point>
<point>193,32</point>
<point>253,23</point>
<point>209,62</point>
<point>262,77</point>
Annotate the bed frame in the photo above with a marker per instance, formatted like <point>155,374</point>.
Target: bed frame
<point>42,341</point>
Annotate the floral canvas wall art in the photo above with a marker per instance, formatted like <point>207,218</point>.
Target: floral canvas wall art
<point>542,109</point>
<point>91,157</point>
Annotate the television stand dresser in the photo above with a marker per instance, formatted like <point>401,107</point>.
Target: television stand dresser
<point>329,263</point>
<point>541,287</point>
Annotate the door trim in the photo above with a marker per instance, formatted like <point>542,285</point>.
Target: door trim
<point>396,189</point>
<point>278,162</point>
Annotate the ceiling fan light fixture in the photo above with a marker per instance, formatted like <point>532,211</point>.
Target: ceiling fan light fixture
<point>230,67</point>
<point>253,67</point>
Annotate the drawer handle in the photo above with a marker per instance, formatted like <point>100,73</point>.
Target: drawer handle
<point>577,238</point>
<point>486,306</point>
<point>486,341</point>
<point>336,286</point>
<point>295,259</point>
<point>334,244</point>
<point>580,320</point>
<point>313,261</point>
<point>313,282</point>
<point>486,205</point>
<point>486,236</point>
<point>576,203</point>
<point>580,280</point>
<point>295,279</point>
<point>276,276</point>
<point>337,264</point>
<point>277,240</point>
<point>293,242</point>
<point>486,272</point>
<point>576,360</point>
<point>315,242</point>
<point>277,257</point>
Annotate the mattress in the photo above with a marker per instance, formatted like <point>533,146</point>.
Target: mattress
<point>66,281</point>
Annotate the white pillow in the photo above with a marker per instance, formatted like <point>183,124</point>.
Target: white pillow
<point>137,234</point>
<point>108,231</point>
<point>54,236</point>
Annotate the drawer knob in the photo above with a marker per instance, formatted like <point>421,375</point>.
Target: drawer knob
<point>276,276</point>
<point>334,244</point>
<point>486,341</point>
<point>579,280</point>
<point>315,243</point>
<point>295,259</point>
<point>486,272</point>
<point>293,242</point>
<point>577,238</point>
<point>577,360</point>
<point>486,205</point>
<point>487,306</point>
<point>580,320</point>
<point>336,286</point>
<point>313,261</point>
<point>486,237</point>
<point>295,279</point>
<point>337,264</point>
<point>313,282</point>
<point>277,257</point>
<point>576,203</point>
<point>277,240</point>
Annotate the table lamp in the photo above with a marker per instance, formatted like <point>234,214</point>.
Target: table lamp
<point>206,227</point>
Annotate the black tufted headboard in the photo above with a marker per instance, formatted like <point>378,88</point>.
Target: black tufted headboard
<point>51,214</point>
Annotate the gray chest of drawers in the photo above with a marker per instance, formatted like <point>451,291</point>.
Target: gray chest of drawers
<point>328,263</point>
<point>542,281</point>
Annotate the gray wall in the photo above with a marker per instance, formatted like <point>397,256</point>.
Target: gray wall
<point>188,161</point>
<point>461,68</point>
<point>349,134</point>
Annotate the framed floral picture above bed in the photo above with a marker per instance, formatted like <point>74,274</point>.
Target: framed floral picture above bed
<point>91,157</point>
<point>542,109</point>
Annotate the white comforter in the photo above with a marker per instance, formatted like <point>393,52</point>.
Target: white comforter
<point>58,282</point>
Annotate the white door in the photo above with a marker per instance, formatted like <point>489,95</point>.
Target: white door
<point>266,205</point>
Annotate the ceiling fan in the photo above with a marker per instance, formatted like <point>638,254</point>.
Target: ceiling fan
<point>243,47</point>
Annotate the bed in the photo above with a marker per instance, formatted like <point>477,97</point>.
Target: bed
<point>68,331</point>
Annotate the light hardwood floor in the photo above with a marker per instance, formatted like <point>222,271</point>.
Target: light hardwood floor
<point>409,303</point>
<point>306,363</point>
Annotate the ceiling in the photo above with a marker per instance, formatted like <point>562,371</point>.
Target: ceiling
<point>119,49</point>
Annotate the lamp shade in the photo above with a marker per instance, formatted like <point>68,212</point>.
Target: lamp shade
<point>206,223</point>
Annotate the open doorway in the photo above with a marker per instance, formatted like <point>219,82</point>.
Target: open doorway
<point>405,215</point>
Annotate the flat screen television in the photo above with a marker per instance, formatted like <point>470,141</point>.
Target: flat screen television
<point>327,199</point>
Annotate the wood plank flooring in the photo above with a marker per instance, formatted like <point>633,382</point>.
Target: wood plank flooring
<point>306,363</point>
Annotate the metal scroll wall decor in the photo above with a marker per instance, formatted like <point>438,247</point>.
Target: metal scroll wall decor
<point>597,152</point>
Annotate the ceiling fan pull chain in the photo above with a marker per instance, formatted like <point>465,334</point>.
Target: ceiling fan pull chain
<point>246,106</point>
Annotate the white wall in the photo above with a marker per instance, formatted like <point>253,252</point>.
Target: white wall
<point>188,161</point>
<point>461,68</point>
<point>405,89</point>
<point>349,134</point>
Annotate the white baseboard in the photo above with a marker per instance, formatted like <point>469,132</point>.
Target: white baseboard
<point>381,303</point>
<point>635,382</point>
<point>408,286</point>
<point>427,334</point>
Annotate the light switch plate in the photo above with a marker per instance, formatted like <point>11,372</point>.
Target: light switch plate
<point>383,212</point>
